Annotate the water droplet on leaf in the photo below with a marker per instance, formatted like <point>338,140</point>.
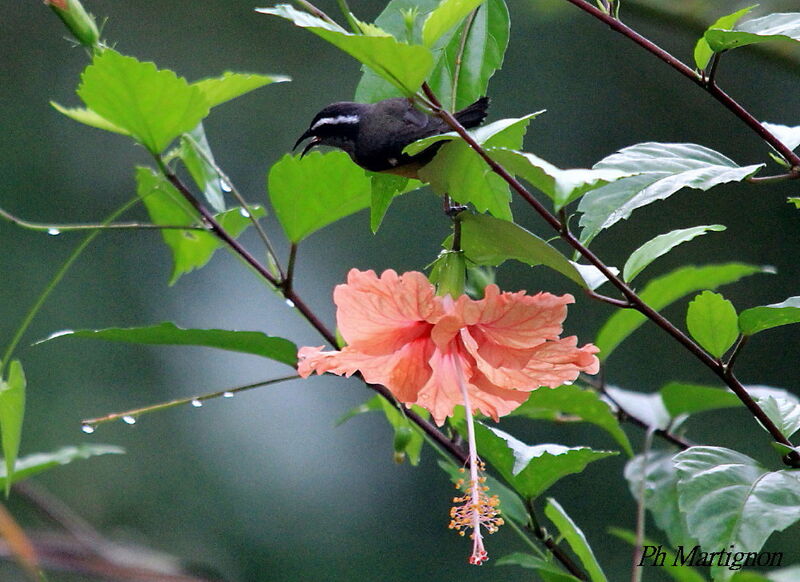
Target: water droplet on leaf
<point>197,403</point>
<point>129,419</point>
<point>53,231</point>
<point>227,394</point>
<point>87,428</point>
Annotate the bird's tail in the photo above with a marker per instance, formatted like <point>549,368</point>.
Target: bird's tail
<point>474,114</point>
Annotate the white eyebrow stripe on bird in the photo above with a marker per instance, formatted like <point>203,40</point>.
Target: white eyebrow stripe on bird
<point>336,120</point>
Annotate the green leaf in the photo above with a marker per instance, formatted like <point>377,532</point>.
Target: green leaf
<point>88,117</point>
<point>789,136</point>
<point>405,66</point>
<point>785,413</point>
<point>712,321</point>
<point>385,187</point>
<point>30,465</point>
<point>571,400</point>
<point>662,170</point>
<point>729,499</point>
<point>562,186</point>
<point>471,56</point>
<point>758,319</point>
<point>191,249</point>
<point>490,241</point>
<point>167,333</point>
<point>660,292</point>
<point>575,538</point>
<point>778,26</point>
<point>547,571</point>
<point>445,17</point>
<point>12,413</point>
<point>794,200</point>
<point>682,398</point>
<point>661,245</point>
<point>314,191</point>
<point>460,172</point>
<point>702,51</point>
<point>671,566</point>
<point>660,493</point>
<point>154,106</point>
<point>532,469</point>
<point>196,155</point>
<point>484,46</point>
<point>218,90</point>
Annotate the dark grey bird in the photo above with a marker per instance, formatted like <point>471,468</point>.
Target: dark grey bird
<point>374,134</point>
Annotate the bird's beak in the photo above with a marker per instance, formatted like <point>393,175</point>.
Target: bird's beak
<point>314,141</point>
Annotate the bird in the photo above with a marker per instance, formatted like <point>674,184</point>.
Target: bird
<point>375,134</point>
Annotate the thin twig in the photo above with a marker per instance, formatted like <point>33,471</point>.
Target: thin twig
<point>59,228</point>
<point>714,90</point>
<point>542,535</point>
<point>136,412</point>
<point>621,303</point>
<point>239,198</point>
<point>288,280</point>
<point>737,349</point>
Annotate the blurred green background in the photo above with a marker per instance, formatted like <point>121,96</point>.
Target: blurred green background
<point>263,487</point>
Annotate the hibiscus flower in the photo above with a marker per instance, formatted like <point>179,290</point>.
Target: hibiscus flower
<point>422,347</point>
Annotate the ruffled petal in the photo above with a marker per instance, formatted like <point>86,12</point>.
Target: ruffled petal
<point>402,372</point>
<point>441,392</point>
<point>380,315</point>
<point>515,320</point>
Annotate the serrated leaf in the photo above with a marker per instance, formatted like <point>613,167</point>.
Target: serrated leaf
<point>660,493</point>
<point>702,51</point>
<point>729,499</point>
<point>88,117</point>
<point>310,193</point>
<point>671,565</point>
<point>191,249</point>
<point>459,171</point>
<point>660,292</point>
<point>712,322</point>
<point>154,106</point>
<point>788,136</point>
<point>486,240</point>
<point>196,155</point>
<point>167,333</point>
<point>547,571</point>
<point>785,413</point>
<point>403,65</point>
<point>758,319</point>
<point>445,17</point>
<point>680,398</point>
<point>30,465</point>
<point>230,85</point>
<point>660,246</point>
<point>473,53</point>
<point>584,404</point>
<point>385,187</point>
<point>532,469</point>
<point>12,413</point>
<point>662,170</point>
<point>778,26</point>
<point>575,538</point>
<point>479,48</point>
<point>562,186</point>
